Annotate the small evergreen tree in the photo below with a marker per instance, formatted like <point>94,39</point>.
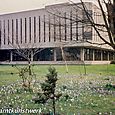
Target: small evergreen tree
<point>48,89</point>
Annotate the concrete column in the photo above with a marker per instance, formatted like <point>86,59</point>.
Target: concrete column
<point>108,55</point>
<point>11,55</point>
<point>82,54</point>
<point>101,55</point>
<point>55,59</point>
<point>114,56</point>
<point>31,55</point>
<point>93,55</point>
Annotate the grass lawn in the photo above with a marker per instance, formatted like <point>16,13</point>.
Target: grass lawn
<point>86,93</point>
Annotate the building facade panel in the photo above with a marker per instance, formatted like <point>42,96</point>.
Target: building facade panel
<point>56,29</point>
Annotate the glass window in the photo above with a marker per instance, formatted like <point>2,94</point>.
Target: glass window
<point>87,32</point>
<point>65,27</point>
<point>25,30</point>
<point>16,31</point>
<point>44,29</point>
<point>54,29</point>
<point>39,29</point>
<point>34,29</point>
<point>49,29</point>
<point>4,33</point>
<point>105,55</point>
<point>97,54</point>
<point>30,29</point>
<point>8,33</point>
<point>88,54</point>
<point>21,30</point>
<point>71,25</point>
<point>12,31</point>
<point>0,32</point>
<point>111,56</point>
<point>72,53</point>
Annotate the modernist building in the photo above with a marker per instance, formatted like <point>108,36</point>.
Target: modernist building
<point>52,35</point>
<point>111,16</point>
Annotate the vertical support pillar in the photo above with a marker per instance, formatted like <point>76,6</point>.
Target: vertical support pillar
<point>55,59</point>
<point>93,55</point>
<point>108,56</point>
<point>101,55</point>
<point>113,55</point>
<point>82,54</point>
<point>31,55</point>
<point>11,55</point>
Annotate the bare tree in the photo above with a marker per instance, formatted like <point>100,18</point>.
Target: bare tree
<point>66,29</point>
<point>80,16</point>
<point>104,7</point>
<point>104,30</point>
<point>26,52</point>
<point>26,73</point>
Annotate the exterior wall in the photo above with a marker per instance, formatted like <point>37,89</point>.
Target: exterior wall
<point>52,28</point>
<point>111,15</point>
<point>19,28</point>
<point>97,17</point>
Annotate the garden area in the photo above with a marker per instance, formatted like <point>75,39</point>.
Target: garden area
<point>82,90</point>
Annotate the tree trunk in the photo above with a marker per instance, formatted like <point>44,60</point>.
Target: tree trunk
<point>30,73</point>
<point>54,105</point>
<point>63,56</point>
<point>29,68</point>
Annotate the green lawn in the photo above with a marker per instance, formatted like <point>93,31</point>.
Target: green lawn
<point>86,95</point>
<point>9,74</point>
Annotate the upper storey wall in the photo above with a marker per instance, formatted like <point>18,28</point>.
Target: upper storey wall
<point>53,26</point>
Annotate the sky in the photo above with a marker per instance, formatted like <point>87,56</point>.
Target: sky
<point>9,6</point>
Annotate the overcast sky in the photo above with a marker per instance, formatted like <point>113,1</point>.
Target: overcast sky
<point>7,6</point>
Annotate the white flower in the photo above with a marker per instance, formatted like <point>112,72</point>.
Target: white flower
<point>72,100</point>
<point>100,113</point>
<point>40,110</point>
<point>61,109</point>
